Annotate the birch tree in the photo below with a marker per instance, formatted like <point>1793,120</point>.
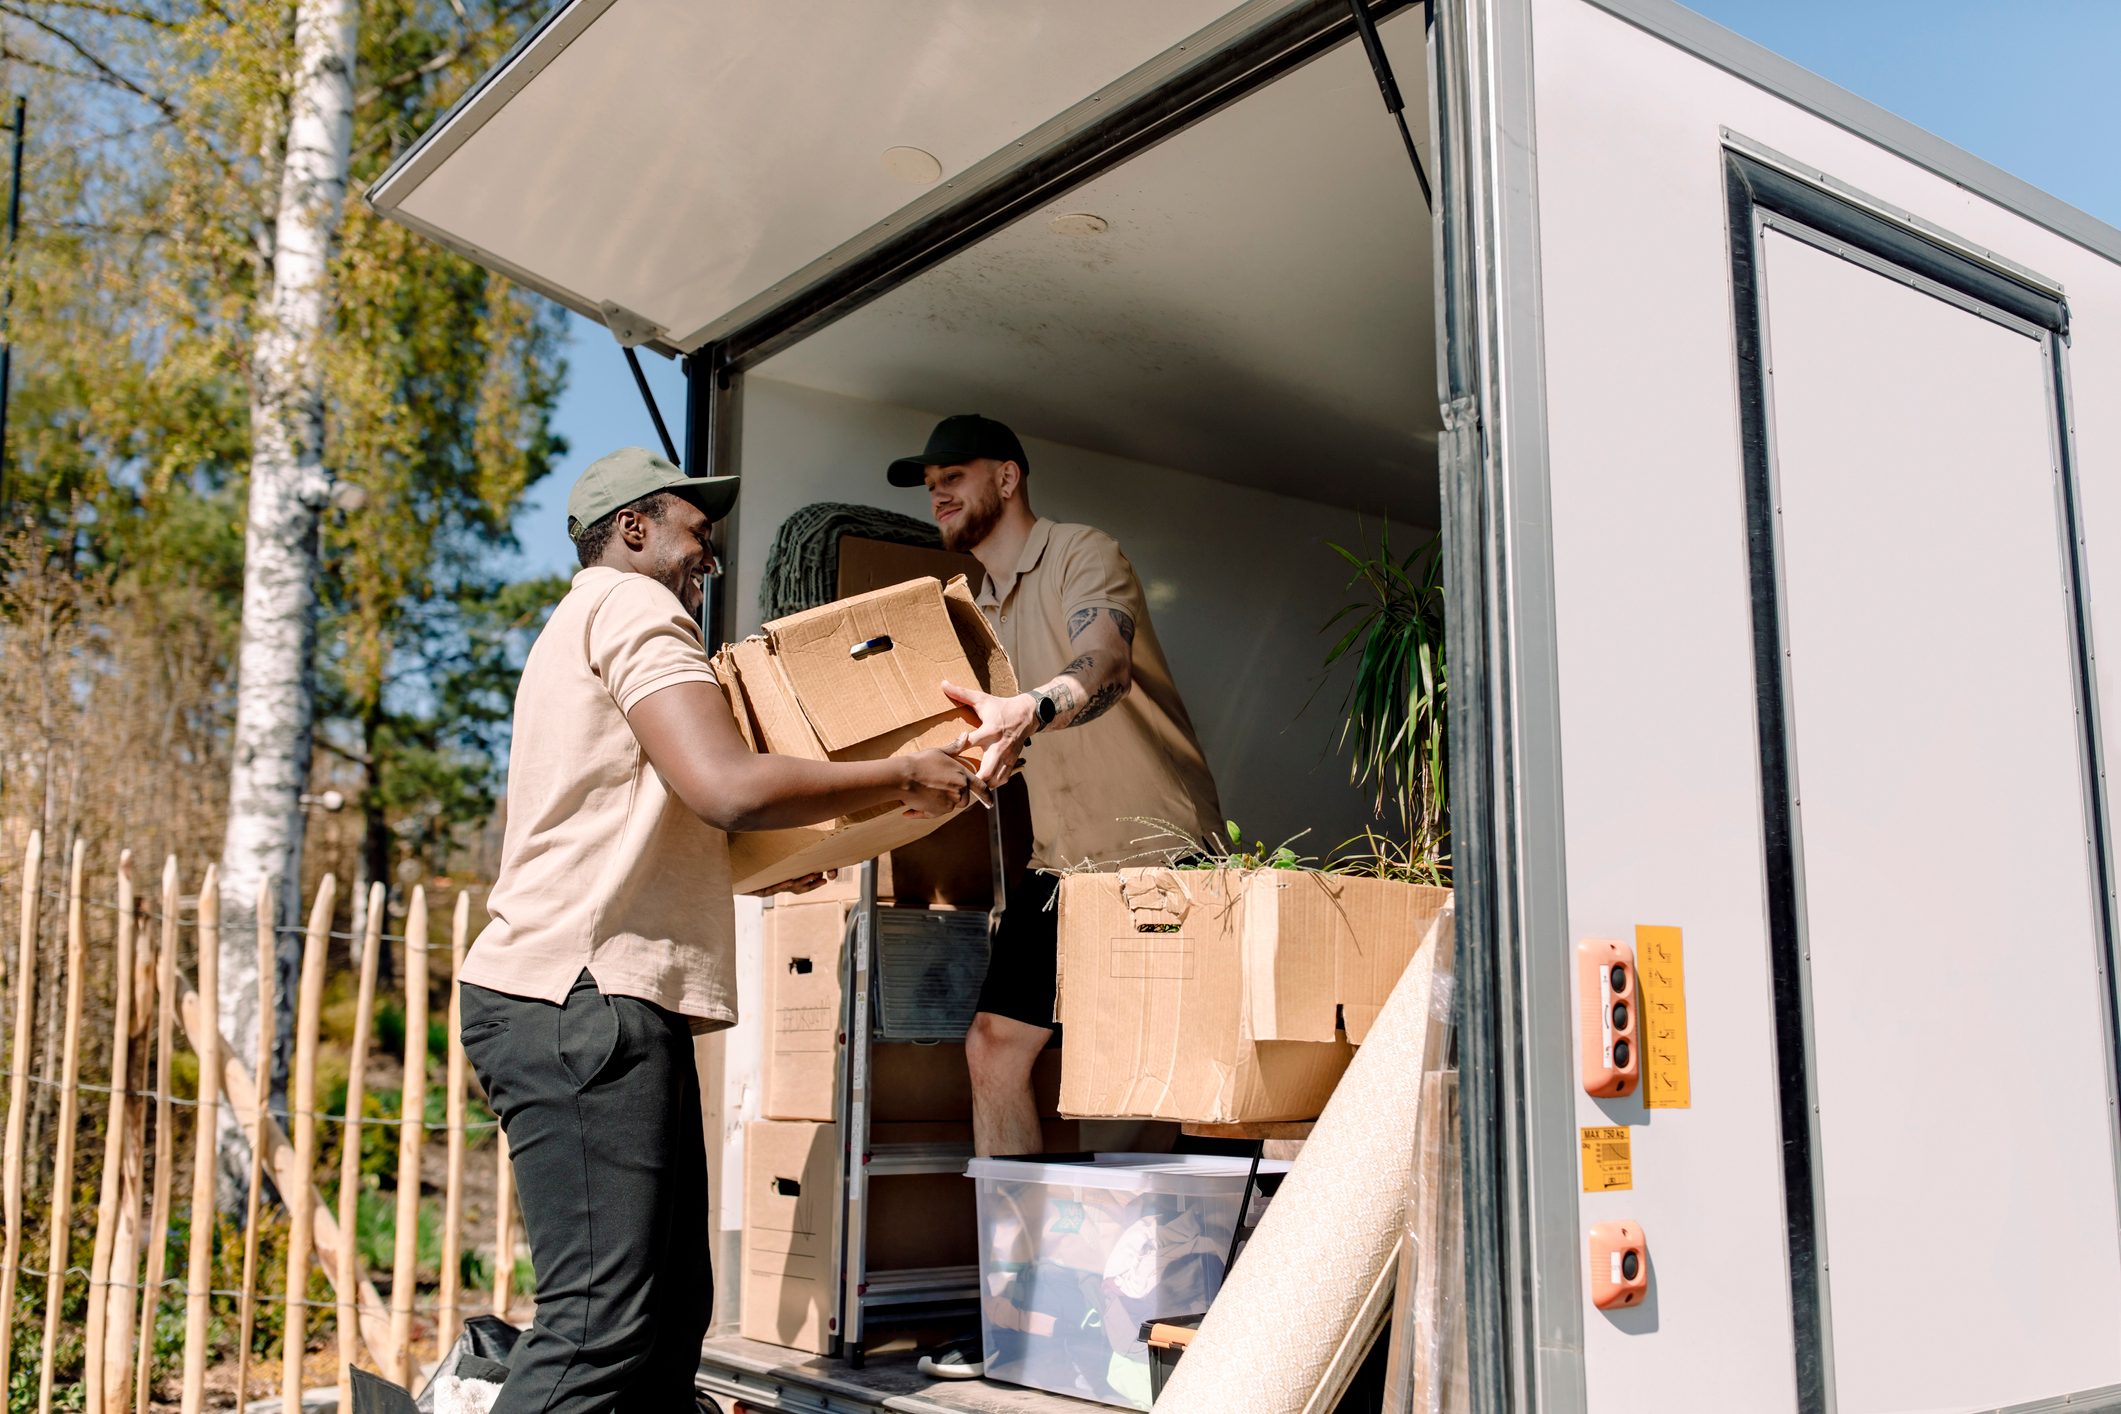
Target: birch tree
<point>289,489</point>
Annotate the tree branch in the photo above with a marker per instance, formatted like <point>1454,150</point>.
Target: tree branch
<point>460,50</point>
<point>32,61</point>
<point>115,12</point>
<point>434,65</point>
<point>346,753</point>
<point>108,74</point>
<point>114,79</point>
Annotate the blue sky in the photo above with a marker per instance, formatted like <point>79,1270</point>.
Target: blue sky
<point>2030,85</point>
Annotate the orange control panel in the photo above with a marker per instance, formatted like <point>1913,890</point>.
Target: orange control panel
<point>1620,1266</point>
<point>1605,990</point>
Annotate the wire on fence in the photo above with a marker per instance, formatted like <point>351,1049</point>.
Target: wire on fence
<point>264,1298</point>
<point>233,926</point>
<point>325,1116</point>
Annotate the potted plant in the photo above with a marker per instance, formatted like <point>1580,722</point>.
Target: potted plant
<point>1394,733</point>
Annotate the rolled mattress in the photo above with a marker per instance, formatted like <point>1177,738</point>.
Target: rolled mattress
<point>1301,1281</point>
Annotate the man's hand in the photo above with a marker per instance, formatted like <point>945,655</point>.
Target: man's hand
<point>937,783</point>
<point>1005,724</point>
<point>796,886</point>
<point>1094,682</point>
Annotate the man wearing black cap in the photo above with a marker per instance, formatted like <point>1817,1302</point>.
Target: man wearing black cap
<point>1069,609</point>
<point>612,940</point>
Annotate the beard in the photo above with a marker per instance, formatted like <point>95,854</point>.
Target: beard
<point>677,573</point>
<point>975,521</point>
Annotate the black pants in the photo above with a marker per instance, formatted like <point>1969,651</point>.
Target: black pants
<point>601,1105</point>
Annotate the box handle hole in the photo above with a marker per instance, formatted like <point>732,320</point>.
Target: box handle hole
<point>869,647</point>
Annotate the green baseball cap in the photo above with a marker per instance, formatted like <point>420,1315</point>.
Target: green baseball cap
<point>624,476</point>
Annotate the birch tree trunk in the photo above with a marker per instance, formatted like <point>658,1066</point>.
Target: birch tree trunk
<point>275,692</point>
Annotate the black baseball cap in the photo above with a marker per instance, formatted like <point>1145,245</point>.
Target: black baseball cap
<point>956,440</point>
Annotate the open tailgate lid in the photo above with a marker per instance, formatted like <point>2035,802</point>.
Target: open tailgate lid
<point>674,167</point>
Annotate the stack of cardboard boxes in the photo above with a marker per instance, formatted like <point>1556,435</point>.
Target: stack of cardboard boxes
<point>921,1101</point>
<point>858,679</point>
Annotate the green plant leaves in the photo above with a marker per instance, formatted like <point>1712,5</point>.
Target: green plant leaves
<point>1394,728</point>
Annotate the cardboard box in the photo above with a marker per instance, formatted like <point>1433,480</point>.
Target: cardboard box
<point>791,1201</point>
<point>1222,996</point>
<point>866,564</point>
<point>791,1290</point>
<point>804,1001</point>
<point>908,1082</point>
<point>859,679</point>
<point>952,867</point>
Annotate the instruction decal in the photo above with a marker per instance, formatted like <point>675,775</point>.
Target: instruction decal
<point>1660,971</point>
<point>1607,1165</point>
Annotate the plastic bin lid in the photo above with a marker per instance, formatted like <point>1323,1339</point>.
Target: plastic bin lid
<point>1136,1173</point>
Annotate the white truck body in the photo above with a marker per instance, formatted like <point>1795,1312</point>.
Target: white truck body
<point>1777,450</point>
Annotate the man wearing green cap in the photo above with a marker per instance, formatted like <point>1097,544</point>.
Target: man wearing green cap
<point>612,940</point>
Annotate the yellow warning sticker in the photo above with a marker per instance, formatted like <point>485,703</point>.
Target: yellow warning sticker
<point>1606,1162</point>
<point>1660,967</point>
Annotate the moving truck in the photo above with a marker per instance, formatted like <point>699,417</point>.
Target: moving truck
<point>1776,451</point>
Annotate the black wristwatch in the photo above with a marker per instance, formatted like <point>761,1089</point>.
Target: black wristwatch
<point>1046,709</point>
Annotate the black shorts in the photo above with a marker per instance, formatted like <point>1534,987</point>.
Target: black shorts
<point>1023,965</point>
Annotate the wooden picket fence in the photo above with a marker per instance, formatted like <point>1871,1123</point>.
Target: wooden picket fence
<point>156,1000</point>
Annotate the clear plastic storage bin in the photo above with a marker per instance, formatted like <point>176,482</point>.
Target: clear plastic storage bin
<point>1074,1256</point>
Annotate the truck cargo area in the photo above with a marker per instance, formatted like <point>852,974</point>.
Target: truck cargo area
<point>1222,353</point>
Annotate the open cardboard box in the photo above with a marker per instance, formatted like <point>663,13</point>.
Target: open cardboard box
<point>858,679</point>
<point>1223,996</point>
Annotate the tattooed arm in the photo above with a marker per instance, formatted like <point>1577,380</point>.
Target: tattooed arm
<point>1092,683</point>
<point>1101,672</point>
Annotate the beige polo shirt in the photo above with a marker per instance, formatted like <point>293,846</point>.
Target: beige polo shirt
<point>1091,785</point>
<point>601,865</point>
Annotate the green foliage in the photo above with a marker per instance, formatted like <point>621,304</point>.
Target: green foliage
<point>152,177</point>
<point>475,1269</point>
<point>26,1346</point>
<point>1373,856</point>
<point>379,1142</point>
<point>390,1034</point>
<point>1394,734</point>
<point>390,1029</point>
<point>378,1233</point>
<point>1281,856</point>
<point>1175,847</point>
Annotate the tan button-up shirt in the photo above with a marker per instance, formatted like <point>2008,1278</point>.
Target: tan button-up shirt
<point>601,865</point>
<point>1092,785</point>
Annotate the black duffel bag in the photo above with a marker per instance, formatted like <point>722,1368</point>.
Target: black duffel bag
<point>481,1353</point>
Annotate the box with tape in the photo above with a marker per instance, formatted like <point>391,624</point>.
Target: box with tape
<point>858,679</point>
<point>1225,995</point>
